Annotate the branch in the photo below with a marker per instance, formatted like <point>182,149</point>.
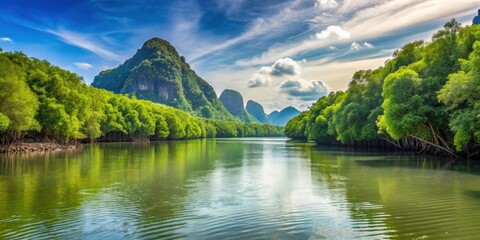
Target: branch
<point>434,145</point>
<point>437,136</point>
<point>392,142</point>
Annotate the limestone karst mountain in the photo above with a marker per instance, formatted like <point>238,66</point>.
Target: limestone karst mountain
<point>233,102</point>
<point>158,73</point>
<point>256,110</point>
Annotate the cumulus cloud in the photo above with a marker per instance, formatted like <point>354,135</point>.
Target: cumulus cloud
<point>326,4</point>
<point>303,89</point>
<point>5,39</point>
<point>358,46</point>
<point>355,46</point>
<point>83,65</point>
<point>259,80</point>
<point>285,66</point>
<point>332,47</point>
<point>333,32</point>
<point>281,67</point>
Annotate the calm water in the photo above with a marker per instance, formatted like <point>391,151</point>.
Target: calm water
<point>240,189</point>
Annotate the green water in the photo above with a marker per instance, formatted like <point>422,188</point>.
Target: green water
<point>235,188</point>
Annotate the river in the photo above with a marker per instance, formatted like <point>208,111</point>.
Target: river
<point>265,188</point>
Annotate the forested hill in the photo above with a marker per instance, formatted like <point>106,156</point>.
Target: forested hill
<point>159,74</point>
<point>427,98</point>
<point>40,102</point>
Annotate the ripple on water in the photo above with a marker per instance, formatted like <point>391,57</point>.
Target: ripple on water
<point>275,191</point>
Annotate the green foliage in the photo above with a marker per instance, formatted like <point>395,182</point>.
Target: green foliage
<point>226,129</point>
<point>210,130</point>
<point>45,101</point>
<point>4,122</point>
<point>461,95</point>
<point>295,128</point>
<point>427,92</point>
<point>18,104</point>
<point>401,92</point>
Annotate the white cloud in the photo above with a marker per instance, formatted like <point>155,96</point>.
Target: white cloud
<point>332,47</point>
<point>326,4</point>
<point>371,19</point>
<point>335,74</point>
<point>390,16</point>
<point>333,32</point>
<point>281,67</point>
<point>285,66</point>
<point>355,46</point>
<point>265,70</point>
<point>349,6</point>
<point>5,39</point>
<point>304,90</point>
<point>83,65</point>
<point>368,45</point>
<point>259,80</point>
<point>85,42</point>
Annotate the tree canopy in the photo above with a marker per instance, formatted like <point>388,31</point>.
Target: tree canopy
<point>42,101</point>
<point>425,98</point>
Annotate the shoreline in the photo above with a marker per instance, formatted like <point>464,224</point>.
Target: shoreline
<point>28,147</point>
<point>38,147</point>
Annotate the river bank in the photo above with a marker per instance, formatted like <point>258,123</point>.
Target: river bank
<point>38,147</point>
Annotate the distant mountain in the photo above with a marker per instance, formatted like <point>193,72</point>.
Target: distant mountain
<point>256,110</point>
<point>273,115</point>
<point>158,73</point>
<point>281,118</point>
<point>233,102</point>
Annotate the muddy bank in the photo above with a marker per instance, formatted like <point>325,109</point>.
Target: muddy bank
<point>38,147</point>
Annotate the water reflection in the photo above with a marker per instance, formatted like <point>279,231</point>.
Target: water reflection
<point>412,197</point>
<point>235,188</point>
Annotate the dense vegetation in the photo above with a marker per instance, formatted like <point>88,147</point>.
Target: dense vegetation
<point>427,98</point>
<point>41,101</point>
<point>158,73</point>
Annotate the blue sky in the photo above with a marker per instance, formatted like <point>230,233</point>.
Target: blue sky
<point>276,52</point>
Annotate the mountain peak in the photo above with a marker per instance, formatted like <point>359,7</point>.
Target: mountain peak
<point>257,111</point>
<point>156,43</point>
<point>156,72</point>
<point>281,118</point>
<point>290,109</point>
<point>233,102</point>
<point>157,46</point>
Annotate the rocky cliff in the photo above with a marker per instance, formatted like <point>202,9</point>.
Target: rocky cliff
<point>256,110</point>
<point>233,102</point>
